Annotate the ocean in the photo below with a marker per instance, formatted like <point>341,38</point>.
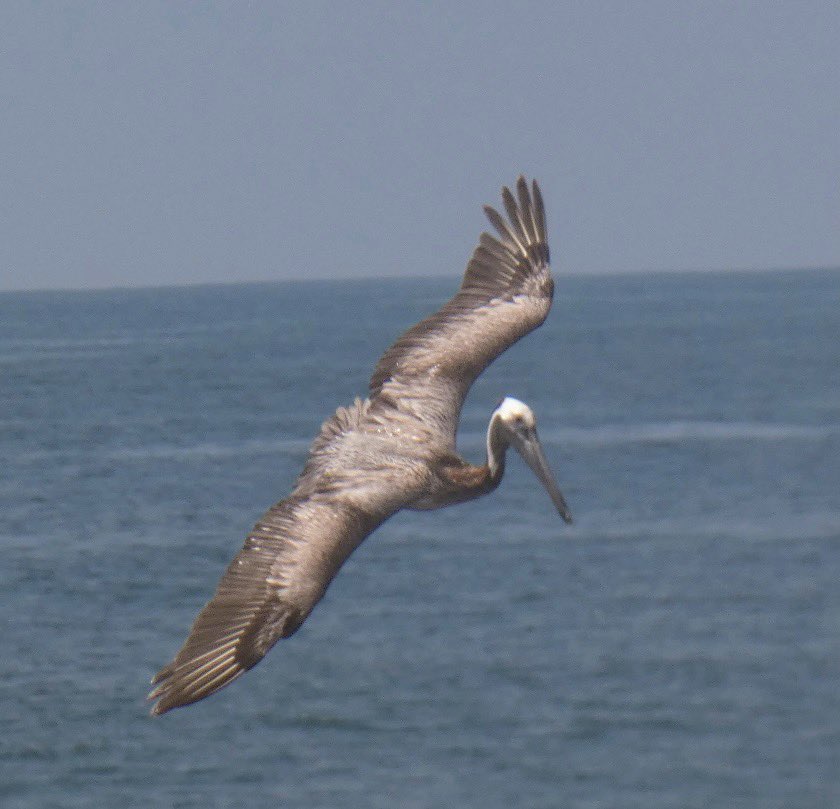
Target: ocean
<point>677,646</point>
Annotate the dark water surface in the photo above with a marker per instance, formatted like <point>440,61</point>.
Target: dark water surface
<point>678,646</point>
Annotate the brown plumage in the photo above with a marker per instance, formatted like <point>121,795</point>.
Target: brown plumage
<point>394,450</point>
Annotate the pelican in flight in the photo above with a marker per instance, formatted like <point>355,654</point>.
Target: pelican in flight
<point>393,450</point>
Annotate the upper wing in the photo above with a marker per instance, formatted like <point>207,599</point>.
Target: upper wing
<point>506,293</point>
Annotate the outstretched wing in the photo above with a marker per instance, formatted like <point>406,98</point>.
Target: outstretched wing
<point>268,590</point>
<point>506,293</point>
<point>354,479</point>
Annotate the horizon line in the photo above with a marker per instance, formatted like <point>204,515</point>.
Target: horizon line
<point>433,276</point>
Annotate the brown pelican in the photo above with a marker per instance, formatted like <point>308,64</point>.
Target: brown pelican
<point>394,450</point>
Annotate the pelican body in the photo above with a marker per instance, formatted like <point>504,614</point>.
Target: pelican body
<point>393,450</point>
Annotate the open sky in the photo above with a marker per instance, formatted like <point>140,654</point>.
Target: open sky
<point>169,143</point>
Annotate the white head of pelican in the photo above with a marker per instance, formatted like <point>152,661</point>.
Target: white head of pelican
<point>513,424</point>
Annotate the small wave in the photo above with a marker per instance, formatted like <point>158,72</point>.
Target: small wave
<point>673,432</point>
<point>815,525</point>
<point>64,343</point>
<point>35,350</point>
<point>287,446</point>
<point>255,447</point>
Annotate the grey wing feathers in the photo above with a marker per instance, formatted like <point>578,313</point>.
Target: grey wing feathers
<point>344,421</point>
<point>266,593</point>
<point>506,292</point>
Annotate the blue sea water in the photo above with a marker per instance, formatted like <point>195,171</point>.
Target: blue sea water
<point>678,646</point>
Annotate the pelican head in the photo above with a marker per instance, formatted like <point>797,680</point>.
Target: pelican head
<point>513,424</point>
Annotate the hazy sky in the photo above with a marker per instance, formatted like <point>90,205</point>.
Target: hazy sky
<point>159,142</point>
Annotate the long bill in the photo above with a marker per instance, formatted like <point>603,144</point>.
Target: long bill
<point>531,450</point>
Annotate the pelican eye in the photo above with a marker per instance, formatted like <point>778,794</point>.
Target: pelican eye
<point>519,422</point>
